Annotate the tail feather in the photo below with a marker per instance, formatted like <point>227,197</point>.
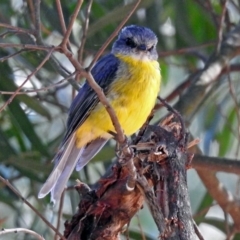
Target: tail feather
<point>65,161</point>
<point>60,162</point>
<point>90,151</point>
<point>61,183</point>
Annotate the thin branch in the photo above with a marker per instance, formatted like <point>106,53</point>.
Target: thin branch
<point>13,55</point>
<point>197,231</point>
<point>53,61</point>
<point>210,9</point>
<point>221,26</point>
<point>110,110</point>
<point>183,86</point>
<point>201,162</point>
<point>60,213</point>
<point>17,29</point>
<point>113,35</point>
<point>236,106</point>
<point>140,227</point>
<point>226,200</point>
<point>235,5</point>
<point>7,183</point>
<point>176,113</point>
<point>18,230</point>
<point>28,77</point>
<point>3,35</point>
<point>28,46</point>
<point>73,18</point>
<point>32,11</point>
<point>43,89</point>
<point>62,21</point>
<point>185,50</point>
<point>61,17</point>
<point>85,29</point>
<point>37,20</point>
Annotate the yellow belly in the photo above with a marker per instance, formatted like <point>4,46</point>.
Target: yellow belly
<point>132,96</point>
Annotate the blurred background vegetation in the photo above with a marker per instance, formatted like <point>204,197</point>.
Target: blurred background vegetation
<point>33,124</point>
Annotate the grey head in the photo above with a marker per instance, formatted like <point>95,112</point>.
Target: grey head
<point>136,41</point>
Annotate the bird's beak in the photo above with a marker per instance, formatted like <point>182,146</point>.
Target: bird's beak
<point>142,47</point>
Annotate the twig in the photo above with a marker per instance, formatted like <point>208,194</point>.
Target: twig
<point>197,231</point>
<point>28,77</point>
<point>17,29</point>
<point>177,114</point>
<point>221,27</point>
<point>140,227</point>
<point>104,46</point>
<point>37,20</point>
<point>110,110</point>
<point>4,34</point>
<point>60,213</point>
<point>18,230</point>
<point>236,106</point>
<point>235,5</point>
<point>13,55</point>
<point>28,46</point>
<point>210,9</point>
<point>85,29</point>
<point>180,88</point>
<point>69,28</point>
<point>26,91</point>
<point>61,17</point>
<point>62,22</point>
<point>185,50</point>
<point>7,183</point>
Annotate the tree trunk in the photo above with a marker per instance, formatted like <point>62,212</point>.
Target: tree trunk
<point>151,169</point>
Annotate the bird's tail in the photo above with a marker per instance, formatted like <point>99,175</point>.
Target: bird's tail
<point>90,151</point>
<point>65,162</point>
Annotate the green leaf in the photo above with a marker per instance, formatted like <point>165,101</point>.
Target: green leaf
<point>35,105</point>
<point>4,144</point>
<point>206,202</point>
<point>138,234</point>
<point>216,222</point>
<point>224,137</point>
<point>8,85</point>
<point>114,16</point>
<point>203,208</point>
<point>30,165</point>
<point>17,114</point>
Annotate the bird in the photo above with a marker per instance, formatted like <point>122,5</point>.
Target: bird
<point>130,79</point>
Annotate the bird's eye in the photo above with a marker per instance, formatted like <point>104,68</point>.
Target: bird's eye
<point>150,49</point>
<point>130,43</point>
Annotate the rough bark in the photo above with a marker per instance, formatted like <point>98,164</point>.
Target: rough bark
<point>154,170</point>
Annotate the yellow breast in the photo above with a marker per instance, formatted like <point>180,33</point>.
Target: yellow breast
<point>132,95</point>
<point>136,92</point>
